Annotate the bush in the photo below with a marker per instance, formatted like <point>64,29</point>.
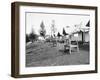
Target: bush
<point>33,37</point>
<point>27,38</point>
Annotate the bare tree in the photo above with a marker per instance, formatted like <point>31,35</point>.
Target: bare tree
<point>53,29</point>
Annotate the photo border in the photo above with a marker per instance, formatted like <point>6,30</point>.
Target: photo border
<point>15,33</point>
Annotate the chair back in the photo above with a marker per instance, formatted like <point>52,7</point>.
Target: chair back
<point>73,40</point>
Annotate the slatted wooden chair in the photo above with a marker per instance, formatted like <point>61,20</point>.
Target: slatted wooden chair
<point>72,43</point>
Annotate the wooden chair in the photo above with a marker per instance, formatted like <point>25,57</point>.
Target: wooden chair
<point>72,43</point>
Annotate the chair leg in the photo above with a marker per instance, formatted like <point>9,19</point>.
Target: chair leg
<point>70,50</point>
<point>77,49</point>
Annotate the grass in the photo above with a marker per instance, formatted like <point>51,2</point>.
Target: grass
<point>44,54</point>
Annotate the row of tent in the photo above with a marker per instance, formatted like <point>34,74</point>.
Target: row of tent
<point>82,29</point>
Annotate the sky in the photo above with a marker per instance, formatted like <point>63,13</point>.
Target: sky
<point>33,21</point>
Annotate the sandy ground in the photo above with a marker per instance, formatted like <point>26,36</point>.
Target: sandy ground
<point>44,54</point>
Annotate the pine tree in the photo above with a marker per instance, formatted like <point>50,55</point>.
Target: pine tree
<point>58,34</point>
<point>27,38</point>
<point>42,30</point>
<point>64,32</point>
<point>32,36</point>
